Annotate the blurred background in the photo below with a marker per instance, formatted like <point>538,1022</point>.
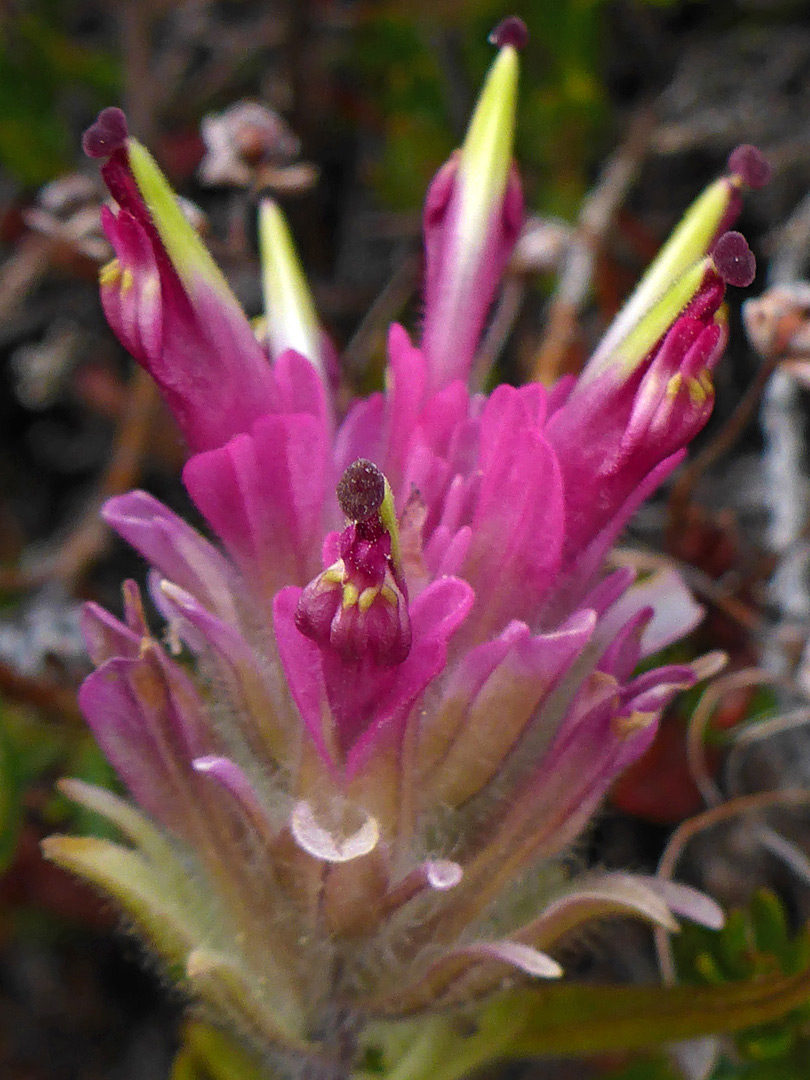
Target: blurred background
<point>343,111</point>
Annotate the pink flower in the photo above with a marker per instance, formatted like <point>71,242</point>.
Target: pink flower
<point>415,679</point>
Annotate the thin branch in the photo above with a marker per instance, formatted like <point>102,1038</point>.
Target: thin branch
<point>595,220</point>
<point>757,731</point>
<point>58,701</point>
<point>699,721</point>
<point>390,300</point>
<point>136,19</point>
<point>89,537</point>
<point>22,271</point>
<point>506,311</point>
<point>700,582</point>
<point>721,444</point>
<point>784,454</point>
<point>789,853</point>
<point>686,832</point>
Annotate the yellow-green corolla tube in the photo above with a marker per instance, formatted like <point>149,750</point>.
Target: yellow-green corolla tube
<point>292,322</point>
<point>712,212</point>
<point>700,289</point>
<point>657,319</point>
<point>187,252</point>
<point>486,154</point>
<point>473,214</point>
<point>167,301</point>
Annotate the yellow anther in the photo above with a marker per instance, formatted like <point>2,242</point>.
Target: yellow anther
<point>697,391</point>
<point>351,594</point>
<point>626,726</point>
<point>674,385</point>
<point>127,280</point>
<point>334,574</point>
<point>110,272</point>
<point>389,595</point>
<point>146,646</point>
<point>367,597</point>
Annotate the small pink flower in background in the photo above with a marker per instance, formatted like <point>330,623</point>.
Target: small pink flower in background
<point>414,679</point>
<point>250,145</point>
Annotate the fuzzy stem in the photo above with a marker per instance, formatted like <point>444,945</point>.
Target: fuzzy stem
<point>341,1047</point>
<point>338,1035</point>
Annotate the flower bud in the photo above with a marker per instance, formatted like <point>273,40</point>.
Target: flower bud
<point>169,303</point>
<point>473,214</point>
<point>706,219</point>
<point>698,291</point>
<point>288,306</point>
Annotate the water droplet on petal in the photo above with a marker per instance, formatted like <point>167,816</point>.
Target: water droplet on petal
<point>443,874</point>
<point>322,843</point>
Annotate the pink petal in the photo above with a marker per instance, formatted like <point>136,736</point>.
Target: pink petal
<point>148,720</point>
<point>177,550</point>
<point>263,493</point>
<point>458,291</point>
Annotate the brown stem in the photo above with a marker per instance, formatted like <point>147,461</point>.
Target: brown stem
<point>56,701</point>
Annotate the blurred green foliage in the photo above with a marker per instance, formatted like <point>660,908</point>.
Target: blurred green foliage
<point>43,69</point>
<point>208,1054</point>
<point>755,943</point>
<point>34,752</point>
<point>420,64</point>
<point>10,801</point>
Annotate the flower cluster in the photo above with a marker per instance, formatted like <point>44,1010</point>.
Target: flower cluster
<point>414,679</point>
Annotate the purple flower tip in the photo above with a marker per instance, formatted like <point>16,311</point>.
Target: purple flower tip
<point>751,165</point>
<point>734,260</point>
<point>361,490</point>
<point>511,31</point>
<point>107,133</point>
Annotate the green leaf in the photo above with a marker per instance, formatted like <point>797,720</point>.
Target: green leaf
<point>41,68</point>
<point>135,884</point>
<point>578,1020</point>
<point>768,1043</point>
<point>589,1019</point>
<point>735,947</point>
<point>184,1067</point>
<point>770,926</point>
<point>645,1068</point>
<point>88,763</point>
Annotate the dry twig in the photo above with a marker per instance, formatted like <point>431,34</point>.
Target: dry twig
<point>595,219</point>
<point>89,536</point>
<point>699,721</point>
<point>717,815</point>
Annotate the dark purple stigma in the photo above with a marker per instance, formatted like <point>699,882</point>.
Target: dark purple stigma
<point>105,136</point>
<point>361,490</point>
<point>510,31</point>
<point>751,165</point>
<point>734,260</point>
